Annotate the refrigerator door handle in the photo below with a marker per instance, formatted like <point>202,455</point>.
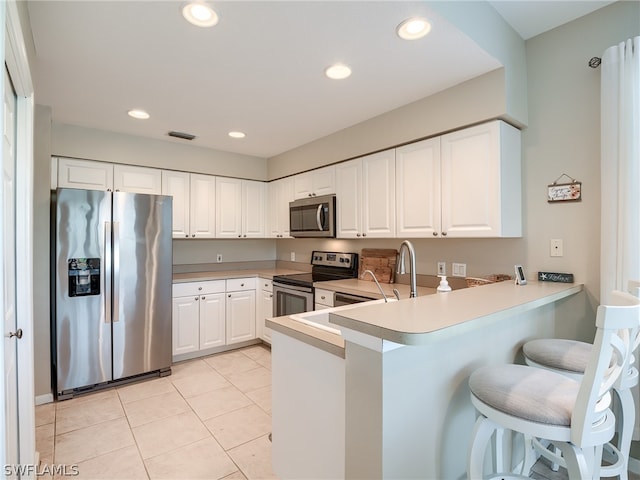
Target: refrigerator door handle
<point>107,272</point>
<point>116,272</point>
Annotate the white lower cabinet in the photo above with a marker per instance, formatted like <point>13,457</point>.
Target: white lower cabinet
<point>241,310</point>
<point>198,316</point>
<point>264,308</point>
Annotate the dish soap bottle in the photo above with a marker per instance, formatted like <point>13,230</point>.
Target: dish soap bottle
<point>444,285</point>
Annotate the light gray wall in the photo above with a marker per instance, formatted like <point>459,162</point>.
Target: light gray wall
<point>92,144</point>
<point>476,100</point>
<point>564,137</point>
<point>41,262</point>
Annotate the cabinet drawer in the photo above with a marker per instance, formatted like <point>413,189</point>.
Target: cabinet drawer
<point>198,288</point>
<point>324,297</point>
<point>265,284</point>
<point>238,284</point>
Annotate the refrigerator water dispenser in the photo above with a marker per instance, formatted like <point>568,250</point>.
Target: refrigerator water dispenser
<point>84,277</point>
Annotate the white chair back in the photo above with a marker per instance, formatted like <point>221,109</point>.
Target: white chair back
<point>617,326</point>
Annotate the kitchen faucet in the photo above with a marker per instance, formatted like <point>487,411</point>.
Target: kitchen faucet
<point>375,280</point>
<point>400,268</point>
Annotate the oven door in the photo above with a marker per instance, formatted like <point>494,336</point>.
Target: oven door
<point>290,299</point>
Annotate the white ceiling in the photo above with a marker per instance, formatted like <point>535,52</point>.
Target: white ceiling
<point>260,70</point>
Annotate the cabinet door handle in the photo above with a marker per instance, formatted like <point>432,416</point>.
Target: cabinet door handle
<point>242,284</point>
<point>202,298</point>
<point>364,234</point>
<point>193,235</point>
<point>435,234</point>
<point>199,288</point>
<point>444,234</point>
<point>323,297</point>
<point>271,296</point>
<point>186,236</point>
<point>197,298</point>
<point>229,295</point>
<point>357,234</point>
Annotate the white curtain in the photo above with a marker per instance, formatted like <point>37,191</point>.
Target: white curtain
<point>620,167</point>
<point>620,171</point>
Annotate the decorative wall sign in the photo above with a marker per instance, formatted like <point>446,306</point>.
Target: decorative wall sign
<point>564,192</point>
<point>555,277</point>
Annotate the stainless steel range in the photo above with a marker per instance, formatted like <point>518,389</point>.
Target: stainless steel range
<point>295,293</point>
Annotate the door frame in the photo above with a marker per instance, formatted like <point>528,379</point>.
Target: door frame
<point>15,57</point>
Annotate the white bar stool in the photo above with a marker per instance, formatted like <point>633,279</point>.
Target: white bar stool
<point>570,358</point>
<point>572,416</point>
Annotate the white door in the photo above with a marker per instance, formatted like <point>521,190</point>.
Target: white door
<point>241,316</point>
<point>253,211</point>
<point>7,280</point>
<point>418,189</point>
<point>186,324</point>
<point>379,195</point>
<point>202,222</point>
<point>228,207</point>
<point>349,199</point>
<point>176,184</point>
<point>212,320</point>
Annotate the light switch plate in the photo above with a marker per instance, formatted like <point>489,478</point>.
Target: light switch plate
<point>459,269</point>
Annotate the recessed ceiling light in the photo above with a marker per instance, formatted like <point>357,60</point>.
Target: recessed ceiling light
<point>200,14</point>
<point>237,134</point>
<point>413,28</point>
<point>139,114</point>
<point>338,71</point>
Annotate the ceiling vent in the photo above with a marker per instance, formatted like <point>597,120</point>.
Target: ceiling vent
<point>182,135</point>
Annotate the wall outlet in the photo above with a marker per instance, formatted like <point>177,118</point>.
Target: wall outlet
<point>555,247</point>
<point>219,258</point>
<point>442,268</point>
<point>459,269</point>
<point>293,256</point>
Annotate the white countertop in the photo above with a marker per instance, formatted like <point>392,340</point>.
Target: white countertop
<point>422,320</point>
<point>223,274</point>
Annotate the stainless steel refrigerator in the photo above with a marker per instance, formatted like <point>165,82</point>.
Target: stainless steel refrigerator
<point>112,289</point>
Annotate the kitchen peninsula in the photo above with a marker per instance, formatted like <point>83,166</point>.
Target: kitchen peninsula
<point>388,397</point>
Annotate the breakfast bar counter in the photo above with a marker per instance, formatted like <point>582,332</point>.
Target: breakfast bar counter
<point>398,404</point>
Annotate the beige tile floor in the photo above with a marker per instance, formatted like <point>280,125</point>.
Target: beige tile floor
<point>210,419</point>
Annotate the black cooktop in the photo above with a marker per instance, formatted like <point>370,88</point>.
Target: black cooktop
<point>326,266</point>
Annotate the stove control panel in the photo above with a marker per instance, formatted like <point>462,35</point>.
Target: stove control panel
<point>334,259</point>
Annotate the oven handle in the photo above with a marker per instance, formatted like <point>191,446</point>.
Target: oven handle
<point>283,286</point>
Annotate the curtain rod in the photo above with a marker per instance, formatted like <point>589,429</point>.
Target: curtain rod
<point>594,62</point>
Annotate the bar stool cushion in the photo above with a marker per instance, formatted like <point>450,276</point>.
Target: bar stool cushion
<point>570,355</point>
<point>530,393</point>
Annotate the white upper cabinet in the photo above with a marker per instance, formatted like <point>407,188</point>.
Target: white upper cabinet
<point>315,183</point>
<point>240,208</point>
<point>202,217</point>
<point>85,174</point>
<point>194,200</point>
<point>481,182</point>
<point>463,184</point>
<point>365,196</point>
<point>418,189</point>
<point>177,185</point>
<point>280,194</point>
<point>254,198</point>
<point>91,175</point>
<point>127,178</point>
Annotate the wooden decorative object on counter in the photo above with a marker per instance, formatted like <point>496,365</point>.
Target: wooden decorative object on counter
<point>381,261</point>
<point>493,278</point>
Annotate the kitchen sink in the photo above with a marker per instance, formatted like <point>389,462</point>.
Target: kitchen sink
<point>320,318</point>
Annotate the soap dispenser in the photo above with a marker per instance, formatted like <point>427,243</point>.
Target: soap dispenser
<point>444,285</point>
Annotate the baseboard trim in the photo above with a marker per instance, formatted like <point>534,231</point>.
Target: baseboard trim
<point>46,398</point>
<point>634,465</point>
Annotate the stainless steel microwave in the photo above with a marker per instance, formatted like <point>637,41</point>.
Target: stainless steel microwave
<point>313,217</point>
